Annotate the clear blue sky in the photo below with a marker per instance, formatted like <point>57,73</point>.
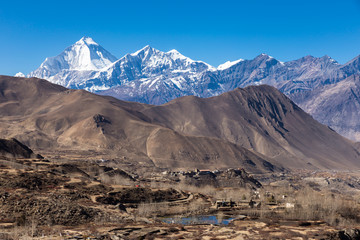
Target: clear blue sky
<point>212,31</point>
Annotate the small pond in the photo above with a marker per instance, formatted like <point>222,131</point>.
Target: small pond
<point>200,219</point>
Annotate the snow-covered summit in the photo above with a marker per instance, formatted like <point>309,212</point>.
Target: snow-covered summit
<point>152,66</point>
<point>149,61</point>
<point>86,65</point>
<point>84,55</point>
<point>87,40</point>
<point>19,74</point>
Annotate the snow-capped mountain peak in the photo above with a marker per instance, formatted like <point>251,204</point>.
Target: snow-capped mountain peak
<point>19,74</point>
<point>264,56</point>
<point>86,54</point>
<point>174,51</point>
<point>155,60</point>
<point>177,55</point>
<point>87,40</point>
<point>83,56</point>
<point>143,51</point>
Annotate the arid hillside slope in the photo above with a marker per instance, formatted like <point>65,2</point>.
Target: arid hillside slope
<point>257,128</point>
<point>263,119</point>
<point>47,117</point>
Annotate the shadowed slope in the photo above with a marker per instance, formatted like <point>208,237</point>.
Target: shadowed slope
<point>12,148</point>
<point>263,119</point>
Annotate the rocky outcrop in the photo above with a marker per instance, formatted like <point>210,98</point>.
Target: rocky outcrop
<point>12,148</point>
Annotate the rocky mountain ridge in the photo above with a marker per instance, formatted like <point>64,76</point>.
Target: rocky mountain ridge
<point>155,77</point>
<point>336,105</point>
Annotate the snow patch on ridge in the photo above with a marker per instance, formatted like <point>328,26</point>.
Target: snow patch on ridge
<point>228,64</point>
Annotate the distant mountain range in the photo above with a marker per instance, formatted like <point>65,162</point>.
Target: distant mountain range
<point>336,105</point>
<point>257,128</point>
<point>155,77</point>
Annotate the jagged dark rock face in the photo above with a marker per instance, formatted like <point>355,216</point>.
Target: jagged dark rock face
<point>227,178</point>
<point>347,234</point>
<point>12,148</point>
<point>138,195</point>
<point>101,120</point>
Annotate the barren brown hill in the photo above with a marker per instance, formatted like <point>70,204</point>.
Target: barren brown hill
<point>257,128</point>
<point>262,119</point>
<point>47,117</point>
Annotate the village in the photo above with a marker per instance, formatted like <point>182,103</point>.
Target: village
<point>116,201</point>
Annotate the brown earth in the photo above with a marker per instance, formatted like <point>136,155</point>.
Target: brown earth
<point>71,199</point>
<point>50,118</point>
<point>256,128</point>
<point>262,119</point>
